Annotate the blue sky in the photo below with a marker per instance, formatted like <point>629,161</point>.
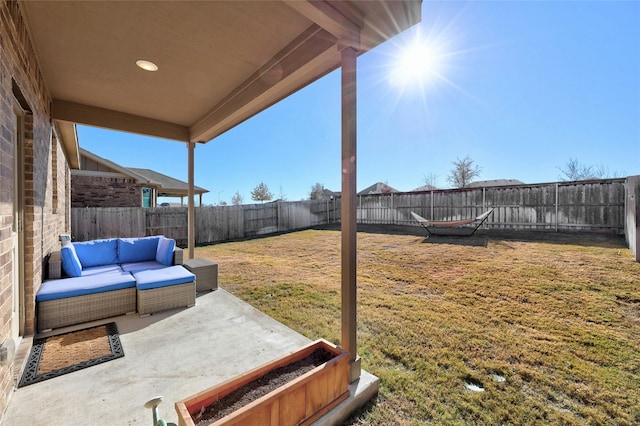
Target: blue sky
<point>519,87</point>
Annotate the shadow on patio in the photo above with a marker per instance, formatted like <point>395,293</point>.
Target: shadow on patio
<point>174,354</point>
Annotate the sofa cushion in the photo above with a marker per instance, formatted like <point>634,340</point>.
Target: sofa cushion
<point>97,252</point>
<point>164,253</point>
<point>104,269</point>
<point>167,276</point>
<point>137,249</point>
<point>80,286</point>
<point>141,266</point>
<point>70,262</point>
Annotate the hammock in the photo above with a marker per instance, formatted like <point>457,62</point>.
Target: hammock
<point>465,227</point>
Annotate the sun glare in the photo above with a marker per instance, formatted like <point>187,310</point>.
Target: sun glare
<point>424,67</point>
<point>424,62</point>
<point>418,63</point>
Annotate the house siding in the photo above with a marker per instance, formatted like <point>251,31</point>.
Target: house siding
<point>98,191</point>
<point>46,182</point>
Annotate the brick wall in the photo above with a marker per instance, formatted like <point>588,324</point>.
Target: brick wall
<point>45,171</point>
<point>101,191</point>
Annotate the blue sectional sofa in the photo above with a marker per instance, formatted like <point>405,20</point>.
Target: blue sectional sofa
<point>110,277</point>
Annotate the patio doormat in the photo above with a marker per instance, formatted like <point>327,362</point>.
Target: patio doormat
<point>54,356</point>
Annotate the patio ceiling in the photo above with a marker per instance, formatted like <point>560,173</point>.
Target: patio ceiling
<point>220,62</point>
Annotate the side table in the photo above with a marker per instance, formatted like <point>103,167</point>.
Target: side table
<point>206,273</point>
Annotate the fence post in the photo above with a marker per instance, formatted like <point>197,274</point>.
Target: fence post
<point>557,198</point>
<point>432,218</point>
<point>334,209</point>
<point>327,210</point>
<point>393,213</point>
<point>484,202</point>
<point>484,206</point>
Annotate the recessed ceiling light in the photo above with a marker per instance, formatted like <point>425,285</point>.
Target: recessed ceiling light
<point>146,65</point>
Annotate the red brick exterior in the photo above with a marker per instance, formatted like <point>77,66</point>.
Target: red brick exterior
<point>99,191</point>
<point>45,179</point>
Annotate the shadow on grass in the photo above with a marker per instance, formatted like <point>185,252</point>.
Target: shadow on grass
<point>606,240</point>
<point>473,241</point>
<point>483,236</point>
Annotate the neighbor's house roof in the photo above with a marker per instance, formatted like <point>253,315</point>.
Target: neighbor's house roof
<point>166,186</point>
<point>220,62</point>
<point>425,188</point>
<point>327,193</point>
<point>495,182</point>
<point>378,188</point>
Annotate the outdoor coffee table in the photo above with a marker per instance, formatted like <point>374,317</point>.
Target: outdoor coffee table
<point>206,273</point>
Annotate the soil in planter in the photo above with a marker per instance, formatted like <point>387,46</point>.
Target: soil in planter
<point>260,387</point>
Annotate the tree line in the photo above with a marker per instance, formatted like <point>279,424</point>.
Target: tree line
<point>463,173</point>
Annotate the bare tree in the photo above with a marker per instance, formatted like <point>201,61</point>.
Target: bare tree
<point>574,170</point>
<point>236,200</point>
<point>430,179</point>
<point>282,196</point>
<point>463,173</point>
<point>261,193</point>
<point>317,191</point>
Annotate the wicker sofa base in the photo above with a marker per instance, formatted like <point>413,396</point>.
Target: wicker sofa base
<point>165,298</point>
<point>74,310</point>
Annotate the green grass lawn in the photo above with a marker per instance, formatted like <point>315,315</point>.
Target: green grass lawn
<point>557,317</point>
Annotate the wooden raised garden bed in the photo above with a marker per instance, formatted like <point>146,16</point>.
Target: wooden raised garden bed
<point>321,383</point>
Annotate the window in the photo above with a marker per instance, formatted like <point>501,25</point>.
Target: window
<point>146,197</point>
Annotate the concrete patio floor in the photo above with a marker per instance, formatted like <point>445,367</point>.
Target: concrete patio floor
<point>174,354</point>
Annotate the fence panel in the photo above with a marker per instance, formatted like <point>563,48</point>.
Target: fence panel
<point>293,216</point>
<point>260,219</point>
<point>211,225</point>
<point>404,204</point>
<point>591,206</point>
<point>94,223</point>
<point>375,208</point>
<point>170,222</point>
<point>219,223</point>
<point>302,214</point>
<point>418,202</point>
<point>530,207</point>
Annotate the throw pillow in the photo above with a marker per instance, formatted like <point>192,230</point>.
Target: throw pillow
<point>70,263</point>
<point>164,254</point>
<point>97,252</point>
<point>140,249</point>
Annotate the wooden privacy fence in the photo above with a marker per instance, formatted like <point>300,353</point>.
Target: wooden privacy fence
<point>592,206</point>
<point>586,206</point>
<point>212,224</point>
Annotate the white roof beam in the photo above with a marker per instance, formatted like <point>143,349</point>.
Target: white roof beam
<point>116,120</point>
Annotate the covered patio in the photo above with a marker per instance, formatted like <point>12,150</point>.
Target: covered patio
<point>188,72</point>
<point>202,73</point>
<point>174,354</point>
